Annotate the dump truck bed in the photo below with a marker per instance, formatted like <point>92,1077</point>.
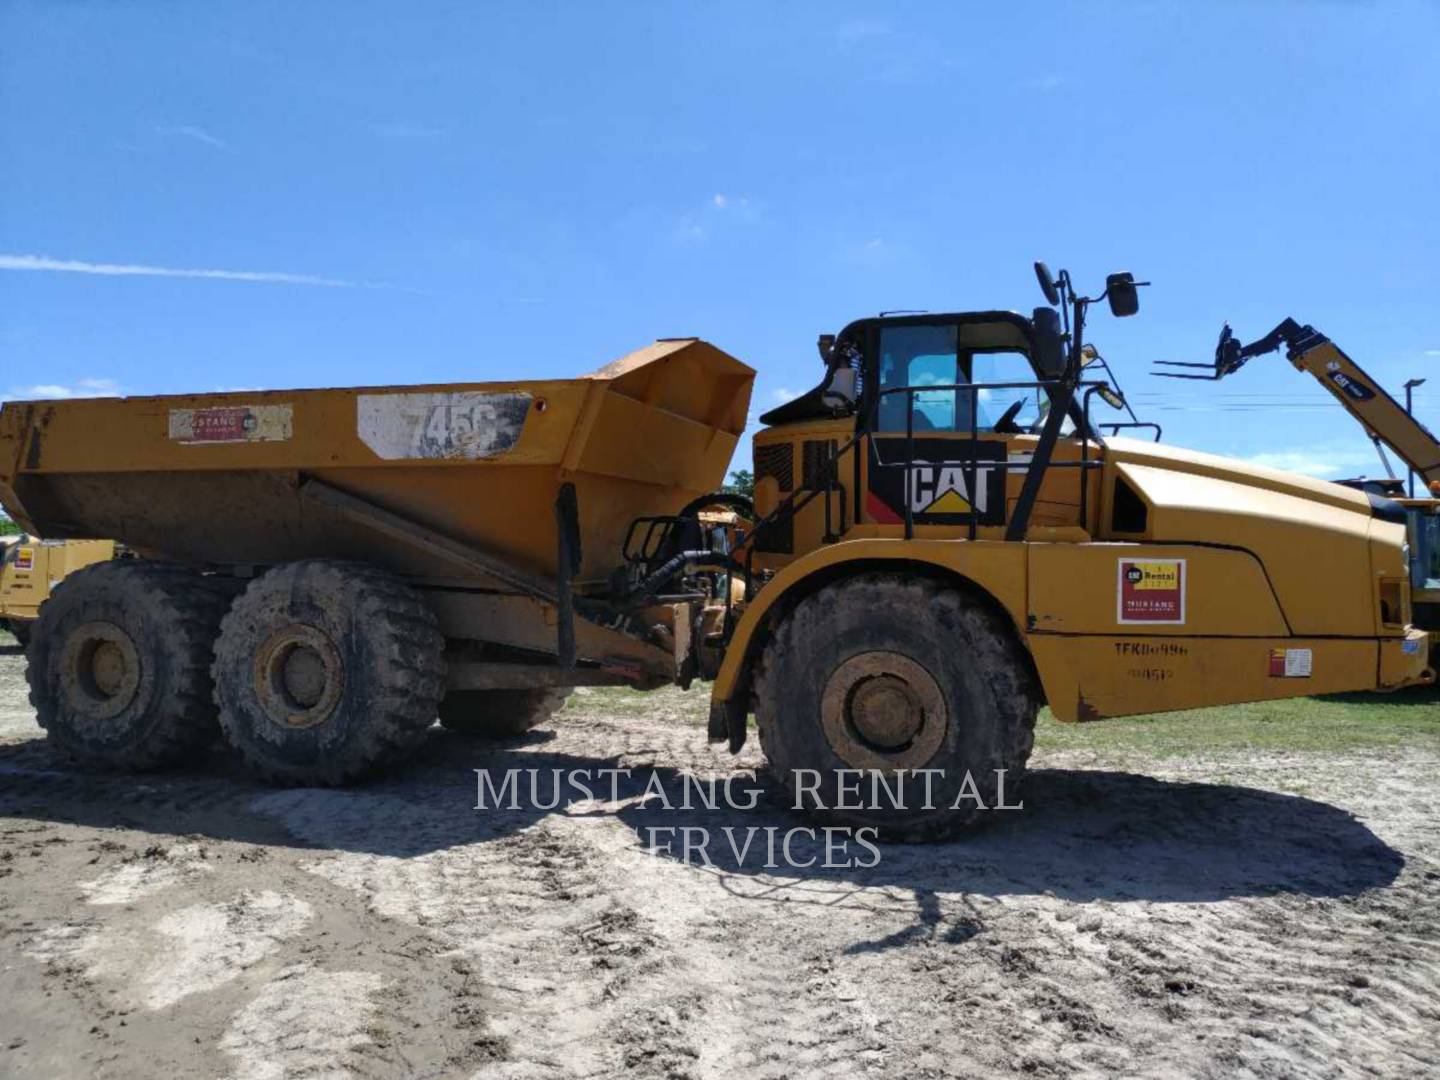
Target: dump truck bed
<point>220,479</point>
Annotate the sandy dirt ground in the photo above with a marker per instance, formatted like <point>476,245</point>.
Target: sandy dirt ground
<point>1247,915</point>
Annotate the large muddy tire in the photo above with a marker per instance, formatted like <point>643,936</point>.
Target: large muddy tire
<point>119,664</point>
<point>19,628</point>
<point>884,675</point>
<point>499,714</point>
<point>327,672</point>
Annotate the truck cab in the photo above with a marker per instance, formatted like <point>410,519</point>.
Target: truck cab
<point>961,449</point>
<point>946,412</point>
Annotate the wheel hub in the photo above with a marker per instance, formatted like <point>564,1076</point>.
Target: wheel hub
<point>102,669</point>
<point>883,710</point>
<point>298,676</point>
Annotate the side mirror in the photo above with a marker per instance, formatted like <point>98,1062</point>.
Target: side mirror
<point>1088,355</point>
<point>1049,343</point>
<point>1121,292</point>
<point>1114,398</point>
<point>1047,284</point>
<point>839,391</point>
<point>825,344</point>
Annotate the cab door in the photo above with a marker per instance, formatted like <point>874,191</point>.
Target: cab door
<point>952,413</point>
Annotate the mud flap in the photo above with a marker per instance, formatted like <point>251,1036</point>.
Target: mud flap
<point>727,722</point>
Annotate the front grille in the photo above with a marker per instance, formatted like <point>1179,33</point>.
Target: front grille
<point>777,460</point>
<point>817,464</point>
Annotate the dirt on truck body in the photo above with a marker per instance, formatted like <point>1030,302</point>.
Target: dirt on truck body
<point>940,541</point>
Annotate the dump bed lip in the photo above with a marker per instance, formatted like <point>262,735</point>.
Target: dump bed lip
<point>658,349</point>
<point>655,426</point>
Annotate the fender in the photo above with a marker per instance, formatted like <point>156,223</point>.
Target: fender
<point>994,566</point>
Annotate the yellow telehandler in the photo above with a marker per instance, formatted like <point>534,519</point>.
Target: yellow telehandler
<point>940,541</point>
<point>1386,423</point>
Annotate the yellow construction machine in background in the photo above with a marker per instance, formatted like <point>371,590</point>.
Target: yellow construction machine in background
<point>31,568</point>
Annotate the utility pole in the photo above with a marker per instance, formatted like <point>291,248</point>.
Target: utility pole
<point>1410,409</point>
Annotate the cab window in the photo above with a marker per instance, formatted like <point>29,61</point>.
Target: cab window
<point>919,356</point>
<point>1006,366</point>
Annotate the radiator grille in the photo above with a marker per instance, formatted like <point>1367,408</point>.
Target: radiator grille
<point>777,460</point>
<point>817,466</point>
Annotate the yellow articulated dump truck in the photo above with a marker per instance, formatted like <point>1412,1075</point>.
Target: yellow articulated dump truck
<point>31,568</point>
<point>939,543</point>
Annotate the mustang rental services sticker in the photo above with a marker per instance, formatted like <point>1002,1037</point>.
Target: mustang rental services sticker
<point>231,424</point>
<point>1151,591</point>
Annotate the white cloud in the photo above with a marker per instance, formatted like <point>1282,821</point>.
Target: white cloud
<point>409,131</point>
<point>75,266</point>
<point>853,30</point>
<point>783,394</point>
<point>1324,462</point>
<point>689,231</point>
<point>694,227</point>
<point>1432,352</point>
<point>83,388</point>
<point>189,131</point>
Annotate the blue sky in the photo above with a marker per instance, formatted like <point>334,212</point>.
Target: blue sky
<point>453,192</point>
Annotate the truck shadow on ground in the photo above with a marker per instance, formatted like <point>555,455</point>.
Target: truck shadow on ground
<point>1426,698</point>
<point>1083,835</point>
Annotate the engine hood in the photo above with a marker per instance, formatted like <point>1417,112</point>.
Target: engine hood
<point>1195,463</point>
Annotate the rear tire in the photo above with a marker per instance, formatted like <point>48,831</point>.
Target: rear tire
<point>884,673</point>
<point>500,714</point>
<point>119,664</point>
<point>19,629</point>
<point>327,672</point>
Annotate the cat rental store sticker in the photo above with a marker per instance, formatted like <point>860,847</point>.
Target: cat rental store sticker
<point>1151,591</point>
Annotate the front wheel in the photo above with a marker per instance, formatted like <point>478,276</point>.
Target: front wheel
<point>327,672</point>
<point>896,703</point>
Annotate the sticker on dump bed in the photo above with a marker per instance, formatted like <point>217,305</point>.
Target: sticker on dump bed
<point>231,424</point>
<point>1151,591</point>
<point>1291,663</point>
<point>25,558</point>
<point>464,425</point>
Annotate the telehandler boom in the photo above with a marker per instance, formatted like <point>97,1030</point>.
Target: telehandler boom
<point>1385,421</point>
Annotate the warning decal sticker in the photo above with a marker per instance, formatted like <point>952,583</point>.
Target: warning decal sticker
<point>1291,663</point>
<point>231,424</point>
<point>1151,591</point>
<point>25,558</point>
